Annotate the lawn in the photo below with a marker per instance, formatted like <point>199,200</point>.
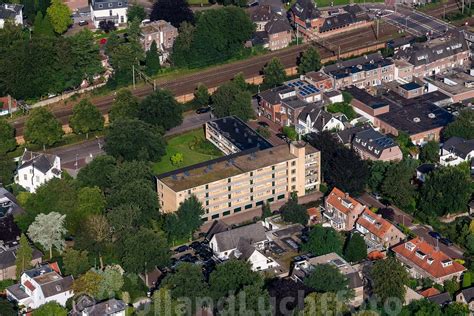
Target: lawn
<point>194,147</point>
<point>198,2</point>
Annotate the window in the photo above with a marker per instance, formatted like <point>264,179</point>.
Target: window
<point>122,19</point>
<point>120,4</point>
<point>25,177</point>
<point>204,219</point>
<point>110,12</point>
<point>259,203</point>
<point>293,171</point>
<point>228,180</point>
<point>207,187</point>
<point>110,6</point>
<point>293,163</point>
<point>226,213</point>
<point>248,206</point>
<point>273,167</point>
<point>293,179</point>
<point>270,200</point>
<point>293,187</point>
<point>189,192</point>
<point>238,209</point>
<point>281,197</point>
<point>215,216</point>
<point>229,196</point>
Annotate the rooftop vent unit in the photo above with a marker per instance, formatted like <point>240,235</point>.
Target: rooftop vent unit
<point>431,115</point>
<point>416,120</point>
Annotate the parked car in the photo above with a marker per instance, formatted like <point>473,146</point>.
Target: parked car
<point>195,245</point>
<point>203,110</point>
<point>446,241</point>
<point>282,136</point>
<point>435,235</point>
<point>263,124</point>
<point>182,248</point>
<point>83,23</point>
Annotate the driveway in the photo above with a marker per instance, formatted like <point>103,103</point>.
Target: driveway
<point>453,251</point>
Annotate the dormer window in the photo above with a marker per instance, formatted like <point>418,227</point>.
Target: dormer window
<point>120,4</point>
<point>446,263</point>
<point>420,254</point>
<point>410,246</point>
<point>430,261</point>
<point>110,5</point>
<point>101,6</point>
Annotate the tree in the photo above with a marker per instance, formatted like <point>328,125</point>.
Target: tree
<point>88,283</point>
<point>253,299</point>
<point>430,152</point>
<point>173,11</point>
<point>182,45</point>
<point>7,137</point>
<point>186,220</point>
<point>7,169</point>
<point>136,12</point>
<point>341,167</point>
<point>290,132</point>
<point>97,173</point>
<point>50,309</point>
<point>153,251</point>
<point>152,60</point>
<point>323,240</point>
<point>124,218</point>
<point>344,108</point>
<point>48,230</point>
<point>293,212</point>
<point>86,118</point>
<point>326,278</point>
<point>322,304</point>
<point>421,307</point>
<point>266,210</point>
<point>462,126</point>
<point>264,132</point>
<point>229,99</point>
<point>377,175</point>
<point>75,262</point>
<point>231,276</point>
<point>164,304</point>
<point>397,185</point>
<point>42,25</point>
<point>438,199</point>
<point>131,139</point>
<point>177,159</point>
<point>309,61</point>
<point>355,249</point>
<point>274,73</point>
<point>24,255</point>
<point>161,109</point>
<point>107,26</point>
<point>406,145</point>
<point>389,279</point>
<point>455,309</point>
<point>60,16</point>
<point>90,201</point>
<point>112,282</point>
<point>125,106</point>
<point>201,96</point>
<point>451,286</point>
<point>42,128</point>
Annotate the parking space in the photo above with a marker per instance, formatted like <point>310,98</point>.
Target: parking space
<point>198,252</point>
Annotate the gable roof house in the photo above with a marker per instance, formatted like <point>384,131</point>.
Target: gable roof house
<point>423,260</point>
<point>243,243</point>
<point>341,210</point>
<point>11,12</point>
<point>314,119</point>
<point>109,10</point>
<point>378,232</point>
<point>164,35</point>
<point>8,257</point>
<point>39,286</point>
<point>35,169</point>
<point>466,296</point>
<point>273,30</point>
<point>456,150</point>
<point>372,145</point>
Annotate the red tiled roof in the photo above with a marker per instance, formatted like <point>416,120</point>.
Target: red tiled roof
<point>55,267</point>
<point>429,292</point>
<point>336,199</point>
<point>375,255</point>
<point>29,286</point>
<point>313,211</point>
<point>379,227</point>
<point>422,252</point>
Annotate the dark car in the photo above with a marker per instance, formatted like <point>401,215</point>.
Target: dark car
<point>263,124</point>
<point>281,136</point>
<point>83,23</point>
<point>203,110</point>
<point>195,245</point>
<point>182,248</point>
<point>435,235</point>
<point>446,241</point>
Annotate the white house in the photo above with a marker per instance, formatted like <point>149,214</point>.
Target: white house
<point>110,307</point>
<point>456,150</point>
<point>109,10</point>
<point>315,119</point>
<point>39,286</point>
<point>244,243</point>
<point>12,12</point>
<point>35,169</point>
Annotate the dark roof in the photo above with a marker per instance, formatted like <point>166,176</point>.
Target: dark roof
<point>401,41</point>
<point>441,299</point>
<point>17,291</point>
<point>239,133</point>
<point>40,161</point>
<point>9,204</point>
<point>278,25</point>
<point>341,67</point>
<point>355,281</point>
<point>365,97</point>
<point>261,13</point>
<point>59,286</point>
<point>347,135</point>
<point>306,10</point>
<point>317,115</point>
<point>417,117</point>
<point>468,294</point>
<point>259,38</point>
<point>109,307</point>
<point>153,277</point>
<point>295,102</point>
<point>426,168</point>
<point>245,248</point>
<point>459,146</point>
<point>37,271</point>
<point>217,226</point>
<point>8,255</point>
<point>337,21</point>
<point>9,11</point>
<point>9,231</point>
<point>272,96</point>
<point>229,240</point>
<point>371,141</point>
<point>108,4</point>
<point>410,86</point>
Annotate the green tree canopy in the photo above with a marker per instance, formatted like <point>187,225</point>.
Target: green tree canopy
<point>125,106</point>
<point>161,109</point>
<point>229,99</point>
<point>187,219</point>
<point>430,152</point>
<point>389,279</point>
<point>152,60</point>
<point>89,201</point>
<point>293,212</point>
<point>322,304</point>
<point>50,309</point>
<point>24,255</point>
<point>173,11</point>
<point>60,16</point>
<point>423,307</point>
<point>309,61</point>
<point>131,139</point>
<point>86,118</point>
<point>76,262</point>
<point>355,249</point>
<point>42,25</point>
<point>323,240</point>
<point>456,309</point>
<point>7,137</point>
<point>136,12</point>
<point>97,173</point>
<point>462,126</point>
<point>326,278</point>
<point>274,73</point>
<point>88,283</point>
<point>201,96</point>
<point>42,128</point>
<point>397,185</point>
<point>377,175</point>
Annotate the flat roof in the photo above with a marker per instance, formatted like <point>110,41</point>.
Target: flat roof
<point>453,83</point>
<point>366,98</point>
<point>239,133</point>
<point>410,86</point>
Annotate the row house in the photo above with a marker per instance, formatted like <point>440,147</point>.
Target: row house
<point>424,260</point>
<point>372,145</point>
<point>437,55</point>
<point>362,72</point>
<point>160,32</point>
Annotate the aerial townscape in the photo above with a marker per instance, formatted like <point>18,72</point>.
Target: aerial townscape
<point>236,157</point>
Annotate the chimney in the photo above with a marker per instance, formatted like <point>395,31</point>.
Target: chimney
<point>346,195</point>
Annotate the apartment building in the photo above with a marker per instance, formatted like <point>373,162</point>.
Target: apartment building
<point>163,33</point>
<point>341,210</point>
<point>239,182</point>
<point>362,72</point>
<point>437,55</point>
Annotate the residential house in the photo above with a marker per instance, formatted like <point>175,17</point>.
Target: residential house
<point>109,10</point>
<point>244,243</point>
<point>273,30</point>
<point>8,105</point>
<point>304,268</point>
<point>437,55</point>
<point>367,105</point>
<point>333,96</point>
<point>456,150</point>
<point>11,12</point>
<point>441,299</point>
<point>423,260</point>
<point>164,35</point>
<point>466,296</point>
<point>423,170</point>
<point>457,84</point>
<point>35,169</point>
<point>403,70</point>
<point>39,286</point>
<point>8,257</point>
<point>378,232</point>
<point>314,119</point>
<point>320,80</point>
<point>341,210</point>
<point>410,90</point>
<point>372,145</point>
<point>111,307</point>
<point>362,72</point>
<point>429,292</point>
<point>347,135</point>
